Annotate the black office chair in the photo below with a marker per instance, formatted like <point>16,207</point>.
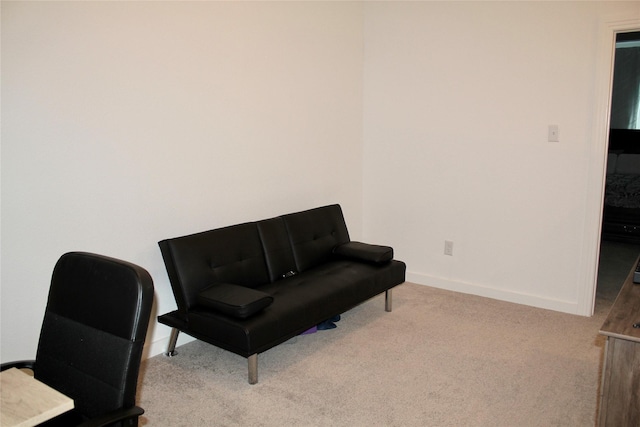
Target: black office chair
<point>92,338</point>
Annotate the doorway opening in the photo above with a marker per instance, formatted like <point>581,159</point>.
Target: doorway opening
<point>620,236</point>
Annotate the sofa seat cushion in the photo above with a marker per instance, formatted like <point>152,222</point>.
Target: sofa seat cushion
<point>234,300</point>
<point>299,302</point>
<point>365,252</point>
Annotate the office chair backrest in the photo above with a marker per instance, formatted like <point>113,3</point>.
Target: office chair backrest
<point>93,331</point>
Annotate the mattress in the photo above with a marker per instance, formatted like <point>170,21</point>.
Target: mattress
<point>622,191</point>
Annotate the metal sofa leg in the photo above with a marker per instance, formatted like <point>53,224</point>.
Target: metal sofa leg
<point>173,339</point>
<point>253,368</point>
<point>387,300</point>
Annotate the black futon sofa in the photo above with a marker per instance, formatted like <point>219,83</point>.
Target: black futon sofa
<point>249,287</point>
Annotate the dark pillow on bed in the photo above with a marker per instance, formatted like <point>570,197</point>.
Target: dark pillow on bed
<point>234,300</point>
<point>375,254</point>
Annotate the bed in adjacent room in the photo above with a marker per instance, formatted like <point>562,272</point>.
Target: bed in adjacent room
<point>621,214</point>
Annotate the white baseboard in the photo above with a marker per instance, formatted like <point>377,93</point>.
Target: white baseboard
<point>570,307</point>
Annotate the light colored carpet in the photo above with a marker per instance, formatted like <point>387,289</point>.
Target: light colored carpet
<point>439,359</point>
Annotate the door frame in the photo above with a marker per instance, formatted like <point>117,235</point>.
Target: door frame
<point>588,277</point>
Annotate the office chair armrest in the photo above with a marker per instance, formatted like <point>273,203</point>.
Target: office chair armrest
<point>113,417</point>
<point>20,364</point>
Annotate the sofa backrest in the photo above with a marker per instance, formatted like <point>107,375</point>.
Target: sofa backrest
<point>253,253</point>
<point>314,233</point>
<point>226,255</point>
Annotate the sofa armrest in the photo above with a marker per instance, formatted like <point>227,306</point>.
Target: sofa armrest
<point>234,300</point>
<point>366,252</point>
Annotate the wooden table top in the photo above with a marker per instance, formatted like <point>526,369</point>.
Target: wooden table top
<point>27,402</point>
<point>625,312</point>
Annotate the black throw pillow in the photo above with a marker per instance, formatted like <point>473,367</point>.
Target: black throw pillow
<point>366,252</point>
<point>234,300</point>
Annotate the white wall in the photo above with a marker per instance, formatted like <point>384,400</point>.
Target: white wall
<point>127,123</point>
<point>458,98</point>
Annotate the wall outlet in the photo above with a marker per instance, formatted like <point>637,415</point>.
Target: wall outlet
<point>448,247</point>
